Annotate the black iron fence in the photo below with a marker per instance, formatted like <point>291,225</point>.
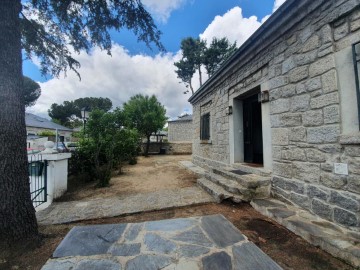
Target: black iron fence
<point>38,179</point>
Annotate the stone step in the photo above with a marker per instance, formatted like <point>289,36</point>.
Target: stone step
<point>249,169</point>
<point>338,241</point>
<point>218,192</point>
<point>231,186</point>
<point>249,181</point>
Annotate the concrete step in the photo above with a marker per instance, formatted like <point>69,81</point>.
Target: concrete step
<point>249,180</point>
<point>338,241</point>
<point>218,192</point>
<point>231,186</point>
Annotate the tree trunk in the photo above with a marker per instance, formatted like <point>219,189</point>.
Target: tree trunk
<point>147,146</point>
<point>200,78</point>
<point>191,87</point>
<point>17,214</point>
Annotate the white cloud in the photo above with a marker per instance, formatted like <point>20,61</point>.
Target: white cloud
<point>161,9</point>
<point>277,4</point>
<point>118,77</point>
<point>232,25</point>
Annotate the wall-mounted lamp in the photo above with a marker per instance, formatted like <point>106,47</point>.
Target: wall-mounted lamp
<point>264,96</point>
<point>229,110</point>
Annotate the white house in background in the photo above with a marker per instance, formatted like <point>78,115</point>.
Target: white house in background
<point>36,124</point>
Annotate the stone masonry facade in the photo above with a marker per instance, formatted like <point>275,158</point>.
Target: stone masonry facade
<point>180,131</point>
<point>298,58</point>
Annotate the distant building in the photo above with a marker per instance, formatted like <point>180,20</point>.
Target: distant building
<point>180,129</point>
<point>35,125</point>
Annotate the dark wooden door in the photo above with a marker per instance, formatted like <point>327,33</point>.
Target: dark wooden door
<point>253,146</point>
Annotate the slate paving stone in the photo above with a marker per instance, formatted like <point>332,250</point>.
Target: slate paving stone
<point>125,249</point>
<point>170,225</point>
<point>249,257</point>
<point>60,264</point>
<point>308,227</point>
<point>190,251</point>
<point>218,261</point>
<point>267,203</point>
<point>133,231</point>
<point>98,265</point>
<point>281,212</point>
<point>148,262</point>
<point>184,264</point>
<point>221,231</point>
<point>156,243</point>
<point>89,240</point>
<point>194,236</point>
<point>179,244</point>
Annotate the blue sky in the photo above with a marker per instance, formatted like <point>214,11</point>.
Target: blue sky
<point>134,68</point>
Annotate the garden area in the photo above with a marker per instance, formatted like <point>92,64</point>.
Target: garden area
<point>162,173</point>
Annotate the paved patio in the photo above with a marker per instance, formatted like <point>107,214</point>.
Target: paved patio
<point>209,243</point>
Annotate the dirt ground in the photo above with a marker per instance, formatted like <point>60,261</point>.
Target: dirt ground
<point>151,174</point>
<point>163,172</point>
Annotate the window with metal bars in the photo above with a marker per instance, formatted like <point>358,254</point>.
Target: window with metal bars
<point>205,127</point>
<point>356,61</point>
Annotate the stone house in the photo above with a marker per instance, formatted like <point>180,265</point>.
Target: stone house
<point>285,107</point>
<point>180,129</point>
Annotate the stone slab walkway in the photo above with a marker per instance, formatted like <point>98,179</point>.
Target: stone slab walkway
<point>192,167</point>
<point>338,241</point>
<point>66,212</point>
<point>209,243</point>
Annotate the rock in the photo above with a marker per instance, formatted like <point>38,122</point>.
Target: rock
<point>280,136</point>
<point>249,257</point>
<point>317,192</point>
<point>89,240</point>
<point>190,251</point>
<point>221,231</point>
<point>324,134</point>
<point>345,217</point>
<point>98,264</point>
<point>217,261</point>
<point>125,249</point>
<point>193,236</point>
<point>60,264</point>
<point>170,225</point>
<point>322,209</point>
<point>133,232</point>
<point>148,262</point>
<point>158,244</point>
<point>313,118</point>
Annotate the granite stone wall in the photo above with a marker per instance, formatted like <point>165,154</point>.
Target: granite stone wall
<point>180,131</point>
<point>300,61</point>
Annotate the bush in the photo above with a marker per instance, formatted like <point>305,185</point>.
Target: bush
<point>107,144</point>
<point>46,133</point>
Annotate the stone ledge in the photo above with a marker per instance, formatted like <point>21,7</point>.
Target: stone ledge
<point>350,138</point>
<point>336,240</point>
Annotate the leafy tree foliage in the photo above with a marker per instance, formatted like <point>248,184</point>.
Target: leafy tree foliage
<point>192,50</point>
<point>146,114</point>
<point>196,55</point>
<point>217,53</point>
<point>50,28</point>
<point>105,145</point>
<point>32,91</point>
<point>52,31</point>
<point>110,143</point>
<point>69,113</point>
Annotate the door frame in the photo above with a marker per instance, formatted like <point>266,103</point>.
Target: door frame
<point>236,132</point>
